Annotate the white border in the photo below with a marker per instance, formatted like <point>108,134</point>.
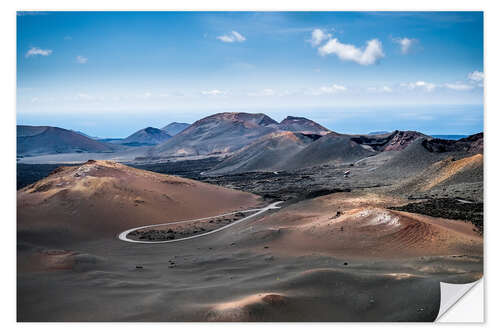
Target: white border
<point>7,135</point>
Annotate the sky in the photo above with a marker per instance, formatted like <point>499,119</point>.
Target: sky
<point>109,74</point>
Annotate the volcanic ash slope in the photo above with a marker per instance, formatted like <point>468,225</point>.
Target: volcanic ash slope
<point>100,199</point>
<point>269,153</point>
<point>354,225</point>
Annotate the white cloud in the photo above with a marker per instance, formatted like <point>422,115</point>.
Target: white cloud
<point>384,89</point>
<point>327,90</point>
<point>233,36</point>
<point>214,92</point>
<point>238,36</point>
<point>225,38</point>
<point>476,76</point>
<point>268,92</point>
<point>318,36</point>
<point>368,56</point>
<point>458,86</point>
<point>81,60</point>
<point>34,51</point>
<point>405,43</point>
<point>264,92</point>
<point>427,86</point>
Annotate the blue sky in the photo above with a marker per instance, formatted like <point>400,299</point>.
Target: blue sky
<point>111,73</point>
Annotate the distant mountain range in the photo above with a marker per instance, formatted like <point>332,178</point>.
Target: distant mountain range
<point>42,140</point>
<point>175,128</point>
<point>244,142</point>
<point>300,124</point>
<point>148,136</point>
<point>227,132</point>
<point>288,151</point>
<point>88,136</point>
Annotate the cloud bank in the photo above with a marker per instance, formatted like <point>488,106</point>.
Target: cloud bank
<point>458,86</point>
<point>427,86</point>
<point>214,92</point>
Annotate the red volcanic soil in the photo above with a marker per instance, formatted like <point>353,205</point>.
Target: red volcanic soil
<point>401,140</point>
<point>100,199</point>
<point>360,226</point>
<point>446,171</point>
<point>340,257</point>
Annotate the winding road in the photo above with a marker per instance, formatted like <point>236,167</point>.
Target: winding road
<point>123,236</point>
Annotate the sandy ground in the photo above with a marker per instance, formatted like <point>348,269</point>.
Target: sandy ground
<point>340,257</point>
<point>358,225</point>
<point>100,199</point>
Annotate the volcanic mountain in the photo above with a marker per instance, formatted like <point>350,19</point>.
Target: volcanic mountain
<point>41,140</point>
<point>268,153</point>
<point>331,148</point>
<point>217,134</point>
<point>148,136</point>
<point>100,199</point>
<point>423,152</point>
<point>86,135</point>
<point>295,150</point>
<point>300,124</point>
<point>394,141</point>
<point>472,144</point>
<point>445,173</point>
<point>175,128</point>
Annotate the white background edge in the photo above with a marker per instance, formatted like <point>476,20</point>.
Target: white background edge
<point>7,167</point>
<point>469,308</point>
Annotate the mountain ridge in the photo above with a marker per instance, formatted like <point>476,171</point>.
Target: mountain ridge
<point>41,140</point>
<point>175,128</point>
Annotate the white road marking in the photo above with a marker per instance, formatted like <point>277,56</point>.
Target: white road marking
<point>464,201</point>
<point>123,236</point>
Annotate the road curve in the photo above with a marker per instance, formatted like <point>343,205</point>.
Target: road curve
<point>123,236</point>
